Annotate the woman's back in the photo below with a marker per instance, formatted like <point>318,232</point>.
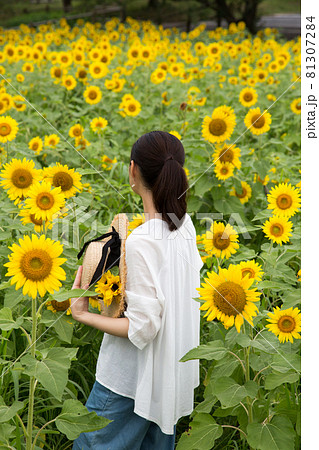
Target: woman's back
<point>163,272</point>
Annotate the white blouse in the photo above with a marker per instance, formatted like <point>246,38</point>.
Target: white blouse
<point>163,272</point>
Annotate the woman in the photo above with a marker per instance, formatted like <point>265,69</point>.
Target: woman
<point>140,384</point>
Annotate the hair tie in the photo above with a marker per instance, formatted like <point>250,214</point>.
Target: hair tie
<point>169,157</point>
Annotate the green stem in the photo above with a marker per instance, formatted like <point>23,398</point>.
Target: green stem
<point>247,378</point>
<point>32,379</point>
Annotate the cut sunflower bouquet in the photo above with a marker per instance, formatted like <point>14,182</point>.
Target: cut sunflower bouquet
<point>104,267</point>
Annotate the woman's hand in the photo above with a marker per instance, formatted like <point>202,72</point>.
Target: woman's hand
<point>80,305</point>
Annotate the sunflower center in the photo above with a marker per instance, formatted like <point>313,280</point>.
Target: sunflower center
<point>217,127</point>
<point>92,95</point>
<point>5,129</point>
<point>284,201</point>
<point>258,121</point>
<point>221,240</point>
<point>21,178</point>
<point>64,180</point>
<point>60,306</point>
<point>248,96</point>
<point>132,107</point>
<point>230,298</point>
<point>228,155</point>
<point>77,131</point>
<point>35,221</point>
<point>286,324</point>
<point>45,200</point>
<point>97,70</point>
<point>35,145</point>
<point>134,54</point>
<point>114,287</point>
<point>243,194</point>
<point>248,271</point>
<point>58,73</point>
<point>36,264</point>
<point>82,74</point>
<point>277,229</point>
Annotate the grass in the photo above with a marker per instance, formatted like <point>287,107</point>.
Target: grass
<point>15,13</point>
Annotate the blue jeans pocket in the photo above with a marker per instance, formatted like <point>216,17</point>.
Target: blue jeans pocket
<point>98,398</point>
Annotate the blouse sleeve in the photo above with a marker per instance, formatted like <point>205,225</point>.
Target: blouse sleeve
<point>145,300</point>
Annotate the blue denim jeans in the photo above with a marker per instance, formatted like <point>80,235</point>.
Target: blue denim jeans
<point>127,431</point>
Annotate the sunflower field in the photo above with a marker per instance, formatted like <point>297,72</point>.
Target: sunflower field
<point>73,100</point>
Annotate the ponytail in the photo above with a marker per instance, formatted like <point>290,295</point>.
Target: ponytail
<point>161,157</point>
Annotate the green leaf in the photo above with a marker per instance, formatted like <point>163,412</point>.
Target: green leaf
<point>228,392</point>
<point>64,328</point>
<point>76,419</point>
<point>202,185</point>
<point>5,285</point>
<point>266,342</point>
<point>263,215</point>
<point>6,320</point>
<point>202,434</point>
<point>278,434</point>
<point>212,350</point>
<point>274,380</point>
<point>7,412</point>
<point>273,285</point>
<point>52,370</point>
<point>63,295</point>
<point>287,362</point>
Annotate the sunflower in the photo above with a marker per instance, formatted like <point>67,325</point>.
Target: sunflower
<point>165,100</point>
<point>176,134</point>
<point>51,141</point>
<point>218,127</point>
<point>285,323</point>
<point>35,265</point>
<point>248,97</point>
<point>108,162</point>
<point>251,268</point>
<point>19,176</point>
<point>69,82</point>
<point>36,145</point>
<point>221,240</point>
<point>81,74</point>
<point>132,108</point>
<point>109,286</point>
<point>92,95</point>
<point>284,200</point>
<point>227,153</point>
<point>54,306</point>
<point>57,73</point>
<point>245,193</point>
<point>98,124</point>
<point>158,76</point>
<point>138,219</point>
<point>98,69</point>
<point>44,201</point>
<point>76,131</point>
<point>295,106</point>
<point>39,224</point>
<point>67,179</point>
<point>228,297</point>
<point>278,229</point>
<point>95,303</point>
<point>18,103</point>
<point>8,129</point>
<point>81,142</point>
<point>256,122</point>
<point>223,170</point>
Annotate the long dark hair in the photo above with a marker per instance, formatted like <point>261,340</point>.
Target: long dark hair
<point>160,157</point>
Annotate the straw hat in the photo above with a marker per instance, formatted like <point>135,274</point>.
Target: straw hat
<point>103,253</point>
